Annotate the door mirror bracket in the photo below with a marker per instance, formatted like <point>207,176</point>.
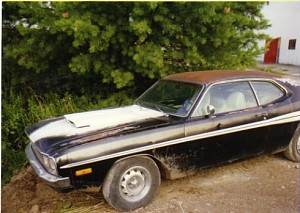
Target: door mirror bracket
<point>210,110</point>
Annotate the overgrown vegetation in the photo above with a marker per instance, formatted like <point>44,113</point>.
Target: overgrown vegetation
<point>20,110</point>
<point>271,69</point>
<point>63,57</point>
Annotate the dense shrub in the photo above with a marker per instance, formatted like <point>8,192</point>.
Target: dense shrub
<point>63,57</point>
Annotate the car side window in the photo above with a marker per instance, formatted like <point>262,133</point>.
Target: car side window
<point>227,97</point>
<point>266,92</point>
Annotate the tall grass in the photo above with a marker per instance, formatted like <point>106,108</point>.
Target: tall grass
<point>21,110</point>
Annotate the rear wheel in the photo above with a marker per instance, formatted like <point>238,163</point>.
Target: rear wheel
<point>293,150</point>
<point>131,183</point>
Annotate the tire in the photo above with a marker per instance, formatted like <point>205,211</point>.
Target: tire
<point>293,150</point>
<point>131,183</point>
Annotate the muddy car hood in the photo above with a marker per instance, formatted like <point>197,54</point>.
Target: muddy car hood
<point>73,129</point>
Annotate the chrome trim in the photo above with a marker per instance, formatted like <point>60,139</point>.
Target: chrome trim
<point>255,93</point>
<point>248,80</point>
<point>253,79</point>
<point>40,157</point>
<point>52,180</point>
<point>287,118</point>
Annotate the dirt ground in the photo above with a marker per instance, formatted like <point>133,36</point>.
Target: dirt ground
<point>261,184</point>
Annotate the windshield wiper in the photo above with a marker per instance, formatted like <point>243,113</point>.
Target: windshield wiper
<point>159,109</point>
<point>147,105</point>
<point>137,103</point>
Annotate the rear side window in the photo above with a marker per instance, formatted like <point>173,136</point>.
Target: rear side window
<point>267,92</point>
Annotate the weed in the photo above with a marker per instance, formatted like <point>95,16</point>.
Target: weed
<point>21,110</point>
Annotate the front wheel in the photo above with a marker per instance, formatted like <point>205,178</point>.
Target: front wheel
<point>293,150</point>
<point>131,183</point>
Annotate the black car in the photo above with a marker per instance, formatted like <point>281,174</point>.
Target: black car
<point>183,123</point>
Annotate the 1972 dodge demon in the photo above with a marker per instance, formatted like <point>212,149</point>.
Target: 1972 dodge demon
<point>183,123</point>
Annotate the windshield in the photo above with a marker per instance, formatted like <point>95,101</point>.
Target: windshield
<point>170,97</point>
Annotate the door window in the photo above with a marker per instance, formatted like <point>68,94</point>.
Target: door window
<point>227,97</point>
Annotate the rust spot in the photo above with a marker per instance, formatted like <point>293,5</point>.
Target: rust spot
<point>212,76</point>
<point>176,165</point>
<point>99,135</point>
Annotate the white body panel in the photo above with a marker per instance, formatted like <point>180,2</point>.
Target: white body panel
<point>85,122</point>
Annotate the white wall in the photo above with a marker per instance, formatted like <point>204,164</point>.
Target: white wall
<point>285,20</point>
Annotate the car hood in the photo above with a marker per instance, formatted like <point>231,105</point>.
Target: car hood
<point>103,122</point>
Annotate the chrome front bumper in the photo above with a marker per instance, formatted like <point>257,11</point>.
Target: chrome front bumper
<point>52,180</point>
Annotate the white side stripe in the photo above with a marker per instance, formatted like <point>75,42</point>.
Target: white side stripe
<point>287,118</point>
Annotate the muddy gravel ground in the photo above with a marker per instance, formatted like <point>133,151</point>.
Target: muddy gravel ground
<point>261,184</point>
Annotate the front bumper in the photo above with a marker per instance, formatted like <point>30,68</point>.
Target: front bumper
<point>52,180</point>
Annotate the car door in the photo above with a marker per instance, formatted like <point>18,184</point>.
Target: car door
<point>233,131</point>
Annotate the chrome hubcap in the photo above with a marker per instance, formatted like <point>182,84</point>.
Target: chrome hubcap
<point>298,145</point>
<point>133,182</point>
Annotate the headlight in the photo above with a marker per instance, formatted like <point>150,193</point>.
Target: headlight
<point>50,164</point>
<point>46,161</point>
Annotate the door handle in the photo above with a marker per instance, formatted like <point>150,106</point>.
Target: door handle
<point>264,115</point>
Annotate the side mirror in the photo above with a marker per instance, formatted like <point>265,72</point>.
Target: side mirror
<point>210,110</point>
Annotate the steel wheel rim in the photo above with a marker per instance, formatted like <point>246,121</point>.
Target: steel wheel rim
<point>298,145</point>
<point>135,183</point>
